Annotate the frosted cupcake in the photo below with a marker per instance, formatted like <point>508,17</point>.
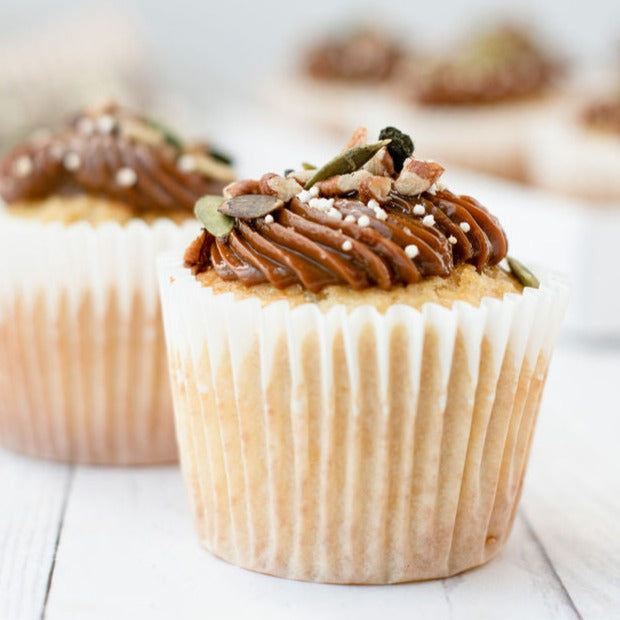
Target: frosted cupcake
<point>473,106</point>
<point>355,377</point>
<point>577,153</point>
<point>337,75</point>
<point>82,370</point>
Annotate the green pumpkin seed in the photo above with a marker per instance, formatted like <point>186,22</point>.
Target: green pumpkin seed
<point>206,210</point>
<point>250,206</point>
<point>169,136</point>
<point>306,166</point>
<point>348,161</point>
<point>522,273</point>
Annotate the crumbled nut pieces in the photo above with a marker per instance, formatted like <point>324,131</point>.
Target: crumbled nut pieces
<point>381,164</point>
<point>359,137</point>
<point>343,183</point>
<point>238,188</point>
<point>284,188</point>
<point>301,176</point>
<point>417,176</point>
<point>377,188</point>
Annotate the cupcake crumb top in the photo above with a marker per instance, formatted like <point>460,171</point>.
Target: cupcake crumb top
<point>368,218</point>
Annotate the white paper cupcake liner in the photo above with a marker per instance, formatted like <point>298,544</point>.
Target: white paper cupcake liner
<point>350,446</point>
<point>83,373</point>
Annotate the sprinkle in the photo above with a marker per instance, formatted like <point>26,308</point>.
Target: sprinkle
<point>452,239</point>
<point>304,195</point>
<point>428,220</point>
<point>407,230</point>
<point>376,207</point>
<point>334,214</point>
<point>349,218</point>
<point>86,125</point>
<point>268,218</point>
<point>363,221</point>
<point>72,161</point>
<point>465,227</point>
<point>186,163</point>
<point>419,210</point>
<point>412,250</point>
<point>126,177</point>
<point>23,166</point>
<point>347,246</point>
<point>322,204</point>
<point>314,191</point>
<point>106,123</point>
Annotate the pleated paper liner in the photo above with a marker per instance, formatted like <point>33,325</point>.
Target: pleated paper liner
<point>83,374</point>
<point>353,446</point>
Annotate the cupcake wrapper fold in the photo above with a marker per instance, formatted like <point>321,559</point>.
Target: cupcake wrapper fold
<point>351,446</point>
<point>83,373</point>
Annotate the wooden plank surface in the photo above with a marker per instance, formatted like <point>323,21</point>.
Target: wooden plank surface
<point>32,503</point>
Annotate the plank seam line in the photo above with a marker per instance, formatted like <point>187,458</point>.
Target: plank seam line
<point>61,521</point>
<point>547,559</point>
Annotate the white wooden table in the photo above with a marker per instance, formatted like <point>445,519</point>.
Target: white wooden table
<point>79,542</point>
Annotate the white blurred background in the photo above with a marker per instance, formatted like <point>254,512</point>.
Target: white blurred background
<point>207,50</point>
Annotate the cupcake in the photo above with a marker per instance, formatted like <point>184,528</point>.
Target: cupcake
<point>337,74</point>
<point>570,150</point>
<point>356,376</point>
<point>83,373</point>
<point>473,105</point>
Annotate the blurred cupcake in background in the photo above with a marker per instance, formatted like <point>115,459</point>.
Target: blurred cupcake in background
<point>577,153</point>
<point>336,73</point>
<point>82,364</point>
<point>472,106</point>
<point>49,71</point>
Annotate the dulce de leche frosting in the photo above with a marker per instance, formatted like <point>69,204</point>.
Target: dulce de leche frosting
<point>389,222</point>
<point>115,154</point>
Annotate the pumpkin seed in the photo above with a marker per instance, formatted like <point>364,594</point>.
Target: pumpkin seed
<point>206,210</point>
<point>169,136</point>
<point>250,206</point>
<point>522,273</point>
<point>348,161</point>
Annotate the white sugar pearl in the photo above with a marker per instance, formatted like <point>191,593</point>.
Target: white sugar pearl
<point>412,250</point>
<point>126,177</point>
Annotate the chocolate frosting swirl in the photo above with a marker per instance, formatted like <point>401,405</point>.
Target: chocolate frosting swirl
<point>362,55</point>
<point>115,154</point>
<point>304,245</point>
<point>498,65</point>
